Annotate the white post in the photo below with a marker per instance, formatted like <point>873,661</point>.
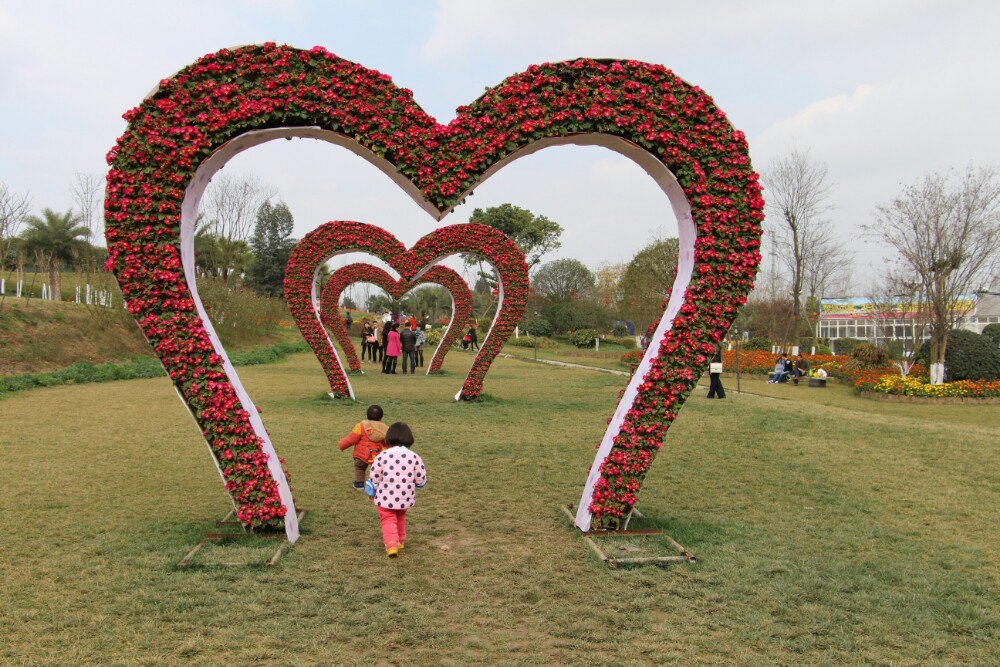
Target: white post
<point>88,294</point>
<point>44,293</point>
<point>795,350</point>
<point>76,297</point>
<point>813,353</point>
<point>597,343</point>
<point>517,332</point>
<point>17,288</point>
<point>2,285</point>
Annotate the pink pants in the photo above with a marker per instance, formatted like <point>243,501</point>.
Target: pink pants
<point>393,526</point>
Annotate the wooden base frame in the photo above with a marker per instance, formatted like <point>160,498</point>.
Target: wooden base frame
<point>684,556</point>
<point>229,520</point>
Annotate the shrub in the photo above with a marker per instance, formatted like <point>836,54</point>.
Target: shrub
<point>761,343</point>
<point>619,331</point>
<point>537,326</point>
<point>844,346</point>
<point>992,331</point>
<point>529,341</point>
<point>434,337</point>
<point>583,337</point>
<point>969,356</point>
<point>867,355</point>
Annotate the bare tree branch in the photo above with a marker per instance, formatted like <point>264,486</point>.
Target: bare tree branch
<point>797,193</point>
<point>88,192</point>
<point>231,205</point>
<point>948,236</point>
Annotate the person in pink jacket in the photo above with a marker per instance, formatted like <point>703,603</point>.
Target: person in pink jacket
<point>392,350</point>
<point>395,476</point>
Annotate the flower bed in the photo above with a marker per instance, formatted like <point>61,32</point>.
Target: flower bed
<point>333,238</point>
<point>461,298</point>
<point>918,386</point>
<point>648,111</point>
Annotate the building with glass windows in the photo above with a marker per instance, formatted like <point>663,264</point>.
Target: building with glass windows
<point>863,318</point>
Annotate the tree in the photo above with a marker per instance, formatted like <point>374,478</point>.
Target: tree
<point>271,246</point>
<point>646,281</point>
<point>797,195</point>
<point>348,302</point>
<point>535,235</point>
<point>57,238</point>
<point>232,204</point>
<point>87,190</point>
<point>947,235</point>
<point>563,280</point>
<point>607,287</point>
<point>14,208</point>
<point>898,296</point>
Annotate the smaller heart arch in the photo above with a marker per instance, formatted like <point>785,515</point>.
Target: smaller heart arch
<point>339,237</point>
<point>461,304</point>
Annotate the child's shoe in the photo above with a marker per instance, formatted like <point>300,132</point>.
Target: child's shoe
<point>392,552</point>
<point>400,547</point>
<point>359,485</point>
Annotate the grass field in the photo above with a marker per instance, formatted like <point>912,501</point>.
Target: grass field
<point>829,531</point>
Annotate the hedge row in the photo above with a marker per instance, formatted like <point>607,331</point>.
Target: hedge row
<point>133,369</point>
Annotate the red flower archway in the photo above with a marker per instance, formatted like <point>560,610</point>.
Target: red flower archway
<point>334,238</point>
<point>228,101</point>
<point>461,305</point>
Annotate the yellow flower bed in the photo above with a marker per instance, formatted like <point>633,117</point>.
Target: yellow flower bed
<point>913,385</point>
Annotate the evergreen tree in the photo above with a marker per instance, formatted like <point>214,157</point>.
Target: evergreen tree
<point>271,246</point>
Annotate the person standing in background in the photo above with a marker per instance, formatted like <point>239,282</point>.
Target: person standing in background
<point>715,389</point>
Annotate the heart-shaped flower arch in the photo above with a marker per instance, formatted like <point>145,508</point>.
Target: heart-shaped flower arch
<point>458,289</point>
<point>335,238</point>
<point>228,101</point>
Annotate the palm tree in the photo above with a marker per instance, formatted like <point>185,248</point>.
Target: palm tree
<point>58,237</point>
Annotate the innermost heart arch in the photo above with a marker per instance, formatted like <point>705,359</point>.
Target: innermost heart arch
<point>687,234</point>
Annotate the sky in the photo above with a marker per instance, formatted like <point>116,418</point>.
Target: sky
<point>882,92</point>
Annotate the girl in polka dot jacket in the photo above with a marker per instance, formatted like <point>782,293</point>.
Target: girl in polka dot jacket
<point>395,476</point>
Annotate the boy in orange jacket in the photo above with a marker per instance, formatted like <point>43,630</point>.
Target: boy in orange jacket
<point>368,440</point>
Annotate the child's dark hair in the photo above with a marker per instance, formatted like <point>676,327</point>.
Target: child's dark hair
<point>375,413</point>
<point>399,434</point>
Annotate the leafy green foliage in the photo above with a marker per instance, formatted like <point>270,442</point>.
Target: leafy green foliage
<point>758,343</point>
<point>563,280</point>
<point>647,280</point>
<point>529,341</point>
<point>845,346</point>
<point>992,331</point>
<point>968,356</point>
<point>537,326</point>
<point>535,235</point>
<point>583,337</point>
<point>271,245</point>
<point>866,355</point>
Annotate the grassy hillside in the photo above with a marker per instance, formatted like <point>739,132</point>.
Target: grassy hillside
<point>825,535</point>
<point>41,335</point>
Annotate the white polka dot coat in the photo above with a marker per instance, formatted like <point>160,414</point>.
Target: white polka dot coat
<point>396,474</point>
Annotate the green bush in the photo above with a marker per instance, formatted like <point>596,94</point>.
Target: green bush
<point>434,337</point>
<point>845,346</point>
<point>583,337</point>
<point>529,341</point>
<point>992,331</point>
<point>758,343</point>
<point>969,356</point>
<point>619,331</point>
<point>867,355</point>
<point>135,368</point>
<point>537,326</point>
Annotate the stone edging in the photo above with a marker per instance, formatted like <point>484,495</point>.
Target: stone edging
<point>945,400</point>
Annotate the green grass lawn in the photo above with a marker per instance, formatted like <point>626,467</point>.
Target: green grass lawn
<point>609,356</point>
<point>829,530</point>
